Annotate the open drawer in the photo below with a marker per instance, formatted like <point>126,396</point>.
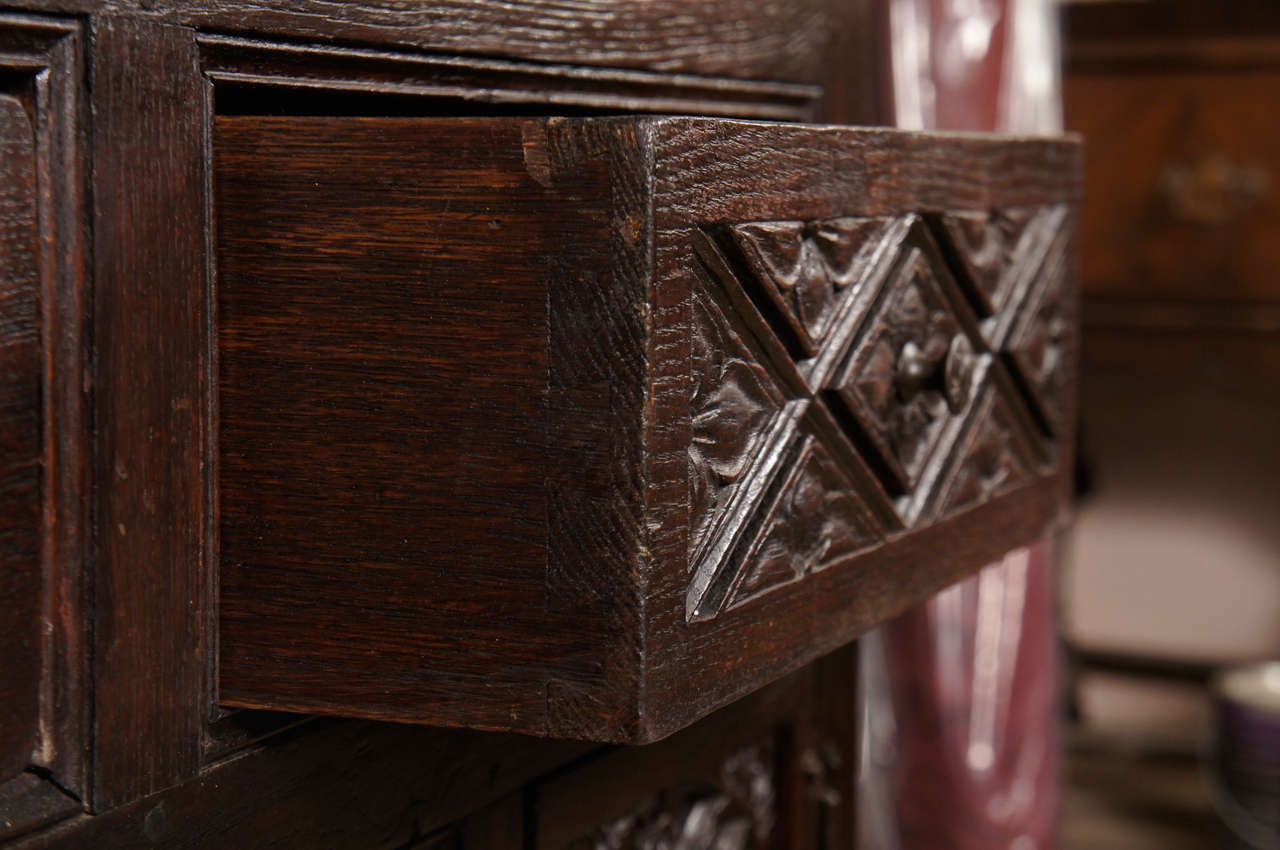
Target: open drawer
<point>587,427</point>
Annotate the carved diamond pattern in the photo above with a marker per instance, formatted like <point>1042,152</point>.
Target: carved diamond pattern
<point>991,459</point>
<point>815,521</point>
<point>843,388</point>
<point>1022,288</point>
<point>734,402</point>
<point>894,381</point>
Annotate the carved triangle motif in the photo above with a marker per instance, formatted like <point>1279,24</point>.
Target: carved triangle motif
<point>1040,342</point>
<point>733,402</point>
<point>894,382</point>
<point>987,243</point>
<point>990,459</point>
<point>816,521</point>
<point>805,268</point>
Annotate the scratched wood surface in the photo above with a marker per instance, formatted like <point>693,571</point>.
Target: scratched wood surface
<point>460,454</point>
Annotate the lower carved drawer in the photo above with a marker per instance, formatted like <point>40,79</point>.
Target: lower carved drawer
<point>586,427</point>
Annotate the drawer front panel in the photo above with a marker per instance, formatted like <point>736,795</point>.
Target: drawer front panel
<point>585,427</point>
<point>1194,215</point>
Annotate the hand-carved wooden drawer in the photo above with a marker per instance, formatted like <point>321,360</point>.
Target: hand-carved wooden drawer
<point>586,427</point>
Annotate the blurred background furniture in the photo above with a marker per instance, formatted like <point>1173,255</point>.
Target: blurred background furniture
<point>1174,563</point>
<point>1173,566</point>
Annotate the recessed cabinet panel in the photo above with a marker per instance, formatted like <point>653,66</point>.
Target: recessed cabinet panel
<point>21,451</point>
<point>587,427</point>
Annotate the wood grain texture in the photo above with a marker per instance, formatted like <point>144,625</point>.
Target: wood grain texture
<point>21,449</point>
<point>356,784</point>
<point>777,40</point>
<point>464,242</point>
<point>708,173</point>
<point>42,75</point>
<point>150,591</point>
<point>466,350</point>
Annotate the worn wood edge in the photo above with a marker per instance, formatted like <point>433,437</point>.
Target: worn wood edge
<point>620,316</point>
<point>68,413</point>
<point>297,790</point>
<point>29,802</point>
<point>865,171</point>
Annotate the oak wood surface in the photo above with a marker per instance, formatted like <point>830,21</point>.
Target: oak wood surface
<point>150,593</point>
<point>355,785</point>
<point>461,391</point>
<point>256,76</point>
<point>777,40</point>
<point>129,523</point>
<point>460,349</point>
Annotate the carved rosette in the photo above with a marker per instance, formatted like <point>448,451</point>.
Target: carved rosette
<point>848,384</point>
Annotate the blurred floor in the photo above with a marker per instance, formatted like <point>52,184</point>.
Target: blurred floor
<point>1137,802</point>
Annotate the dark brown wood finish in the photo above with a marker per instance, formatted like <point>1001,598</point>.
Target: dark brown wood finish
<point>780,40</point>
<point>339,785</point>
<point>22,453</point>
<point>447,344</point>
<point>43,521</point>
<point>151,592</point>
<point>128,443</point>
<point>484,790</point>
<point>253,74</point>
